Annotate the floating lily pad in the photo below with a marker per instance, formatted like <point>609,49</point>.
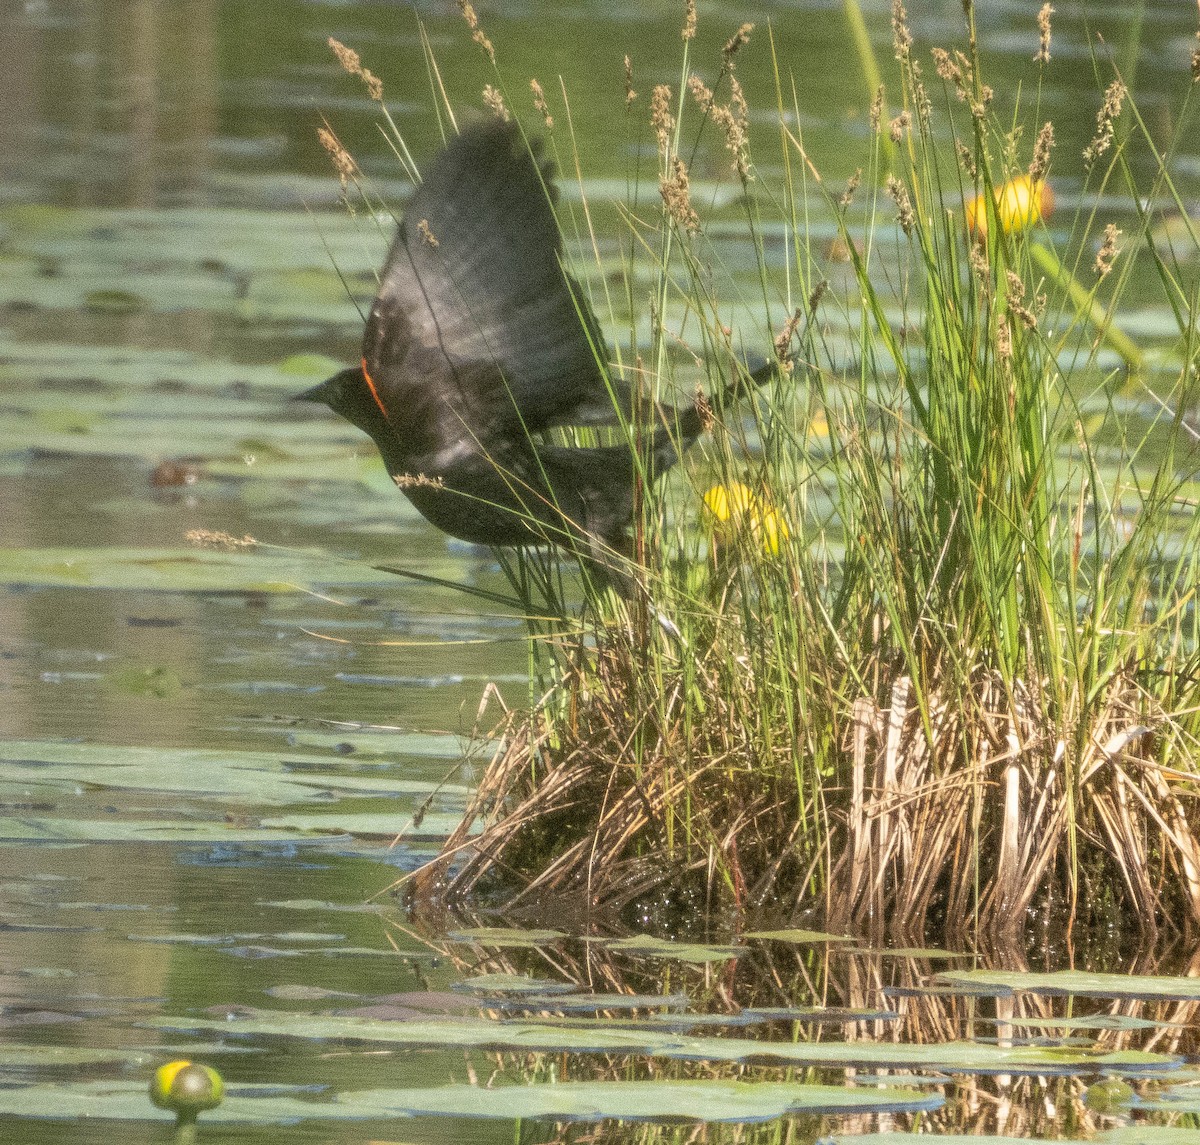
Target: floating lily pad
<point>322,905</point>
<point>949,990</point>
<point>128,1101</point>
<point>308,366</point>
<point>917,952</point>
<point>505,936</point>
<point>181,832</point>
<point>567,1101</point>
<point>591,1003</point>
<point>245,777</point>
<point>1148,1135</point>
<point>302,993</point>
<point>1141,1134</point>
<point>903,1138</point>
<point>800,937</point>
<point>822,1015</point>
<point>511,984</point>
<point>1084,1022</point>
<point>153,682</point>
<point>372,825</point>
<point>15,1056</point>
<point>1079,984</point>
<point>1185,1100</point>
<point>597,1037</point>
<point>183,570</point>
<point>680,951</point>
<point>114,301</point>
<point>659,1100</point>
<point>140,367</point>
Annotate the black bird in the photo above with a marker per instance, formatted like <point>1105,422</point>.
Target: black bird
<point>477,341</point>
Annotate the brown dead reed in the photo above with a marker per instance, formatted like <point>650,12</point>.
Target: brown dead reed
<point>966,818</point>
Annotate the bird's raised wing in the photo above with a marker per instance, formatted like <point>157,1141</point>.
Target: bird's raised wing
<point>477,330</point>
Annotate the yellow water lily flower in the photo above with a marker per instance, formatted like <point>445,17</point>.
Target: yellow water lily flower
<point>733,507</point>
<point>772,531</point>
<point>1020,204</point>
<point>730,504</point>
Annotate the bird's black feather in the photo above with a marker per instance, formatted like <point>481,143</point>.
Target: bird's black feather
<point>477,341</point>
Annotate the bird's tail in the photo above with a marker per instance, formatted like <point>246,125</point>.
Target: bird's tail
<point>681,426</point>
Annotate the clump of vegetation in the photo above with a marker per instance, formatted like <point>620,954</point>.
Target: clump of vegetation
<point>918,638</point>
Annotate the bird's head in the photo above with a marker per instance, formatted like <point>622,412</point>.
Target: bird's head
<point>340,393</point>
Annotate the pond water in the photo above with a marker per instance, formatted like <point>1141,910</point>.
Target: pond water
<point>207,753</point>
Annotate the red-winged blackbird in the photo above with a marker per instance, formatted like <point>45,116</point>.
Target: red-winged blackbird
<point>477,342</point>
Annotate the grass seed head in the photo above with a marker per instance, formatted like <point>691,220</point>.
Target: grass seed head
<point>898,193</point>
<point>494,102</point>
<point>735,43</point>
<point>661,118</point>
<point>676,194</point>
<point>1108,251</point>
<point>539,102</point>
<point>1106,117</point>
<point>343,161</point>
<point>1043,23</point>
<point>689,20</point>
<point>901,35</point>
<point>1042,147</point>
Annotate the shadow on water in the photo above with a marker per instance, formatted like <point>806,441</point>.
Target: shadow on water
<point>214,759</point>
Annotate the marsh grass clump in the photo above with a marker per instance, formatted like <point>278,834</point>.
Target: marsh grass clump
<point>916,639</point>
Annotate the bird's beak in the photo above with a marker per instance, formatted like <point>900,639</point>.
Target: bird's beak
<point>316,394</point>
<point>332,391</point>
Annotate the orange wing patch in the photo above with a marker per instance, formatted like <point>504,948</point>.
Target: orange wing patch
<point>371,386</point>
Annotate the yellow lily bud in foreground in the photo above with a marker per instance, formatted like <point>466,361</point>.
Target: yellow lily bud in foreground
<point>186,1088</point>
<point>1020,203</point>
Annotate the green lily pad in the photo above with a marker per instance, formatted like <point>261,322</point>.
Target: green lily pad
<point>114,301</point>
<point>592,1003</point>
<point>308,366</point>
<point>184,570</point>
<point>372,825</point>
<point>1084,1022</point>
<point>1182,1101</point>
<point>1149,1135</point>
<point>903,1138</point>
<point>245,777</point>
<point>597,1037</point>
<point>680,951</point>
<point>181,832</point>
<point>15,1056</point>
<point>919,952</point>
<point>141,367</point>
<point>511,984</point>
<point>822,1015</point>
<point>567,1101</point>
<point>1077,983</point>
<point>800,937</point>
<point>128,1101</point>
<point>505,936</point>
<point>323,905</point>
<point>658,1100</point>
<point>1141,1134</point>
<point>156,683</point>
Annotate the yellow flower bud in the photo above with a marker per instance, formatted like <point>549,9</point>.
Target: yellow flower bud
<point>186,1088</point>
